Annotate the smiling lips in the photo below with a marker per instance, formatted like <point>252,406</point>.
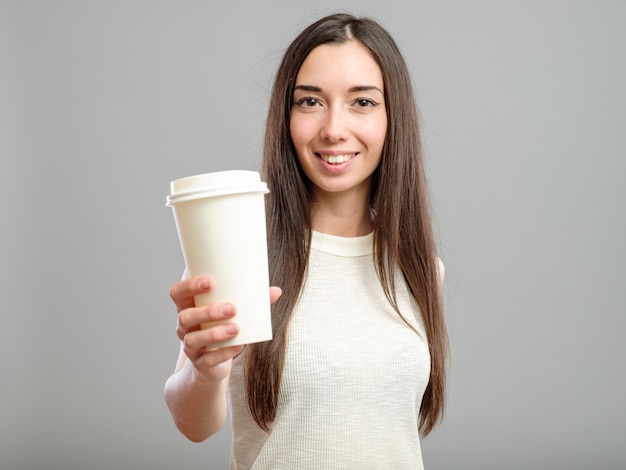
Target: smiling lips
<point>337,159</point>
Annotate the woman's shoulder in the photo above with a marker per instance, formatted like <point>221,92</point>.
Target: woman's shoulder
<point>441,271</point>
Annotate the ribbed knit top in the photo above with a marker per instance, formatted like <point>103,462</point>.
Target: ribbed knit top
<point>354,374</point>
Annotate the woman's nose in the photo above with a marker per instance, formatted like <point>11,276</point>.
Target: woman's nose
<point>335,127</point>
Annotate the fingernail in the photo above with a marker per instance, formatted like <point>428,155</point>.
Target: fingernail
<point>227,310</point>
<point>230,329</point>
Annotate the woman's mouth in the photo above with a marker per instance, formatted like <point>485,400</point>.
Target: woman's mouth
<point>336,159</point>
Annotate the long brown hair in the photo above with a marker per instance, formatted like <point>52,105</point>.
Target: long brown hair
<point>403,234</point>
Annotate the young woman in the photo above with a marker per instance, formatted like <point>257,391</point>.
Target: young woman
<point>356,370</point>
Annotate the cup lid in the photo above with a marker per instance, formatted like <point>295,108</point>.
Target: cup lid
<point>215,184</point>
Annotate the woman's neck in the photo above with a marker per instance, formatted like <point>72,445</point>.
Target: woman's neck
<point>341,217</point>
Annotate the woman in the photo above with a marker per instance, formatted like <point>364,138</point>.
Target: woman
<point>356,370</point>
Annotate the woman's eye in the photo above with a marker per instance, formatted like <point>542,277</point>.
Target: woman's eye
<point>365,103</point>
<point>308,102</point>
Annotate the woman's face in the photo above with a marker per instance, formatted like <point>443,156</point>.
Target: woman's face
<point>338,120</point>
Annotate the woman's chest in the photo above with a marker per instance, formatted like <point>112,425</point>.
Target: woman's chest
<point>346,342</point>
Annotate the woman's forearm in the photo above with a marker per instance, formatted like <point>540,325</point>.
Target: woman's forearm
<point>198,407</point>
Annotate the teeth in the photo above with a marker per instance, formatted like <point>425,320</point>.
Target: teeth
<point>337,158</point>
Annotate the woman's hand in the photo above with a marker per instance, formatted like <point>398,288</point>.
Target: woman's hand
<point>210,363</point>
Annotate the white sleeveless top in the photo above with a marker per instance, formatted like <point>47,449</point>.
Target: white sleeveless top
<point>354,373</point>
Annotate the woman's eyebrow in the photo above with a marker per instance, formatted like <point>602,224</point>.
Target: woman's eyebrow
<point>365,88</point>
<point>308,88</point>
<point>351,89</point>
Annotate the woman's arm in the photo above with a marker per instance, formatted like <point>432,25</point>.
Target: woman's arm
<point>196,392</point>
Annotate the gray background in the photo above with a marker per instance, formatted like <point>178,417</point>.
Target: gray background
<point>103,103</point>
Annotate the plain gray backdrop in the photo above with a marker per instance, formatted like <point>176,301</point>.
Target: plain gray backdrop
<point>103,103</point>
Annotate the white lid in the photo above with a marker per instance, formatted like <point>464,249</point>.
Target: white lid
<point>215,184</point>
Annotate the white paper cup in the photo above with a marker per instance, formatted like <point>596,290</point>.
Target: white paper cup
<point>220,218</point>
